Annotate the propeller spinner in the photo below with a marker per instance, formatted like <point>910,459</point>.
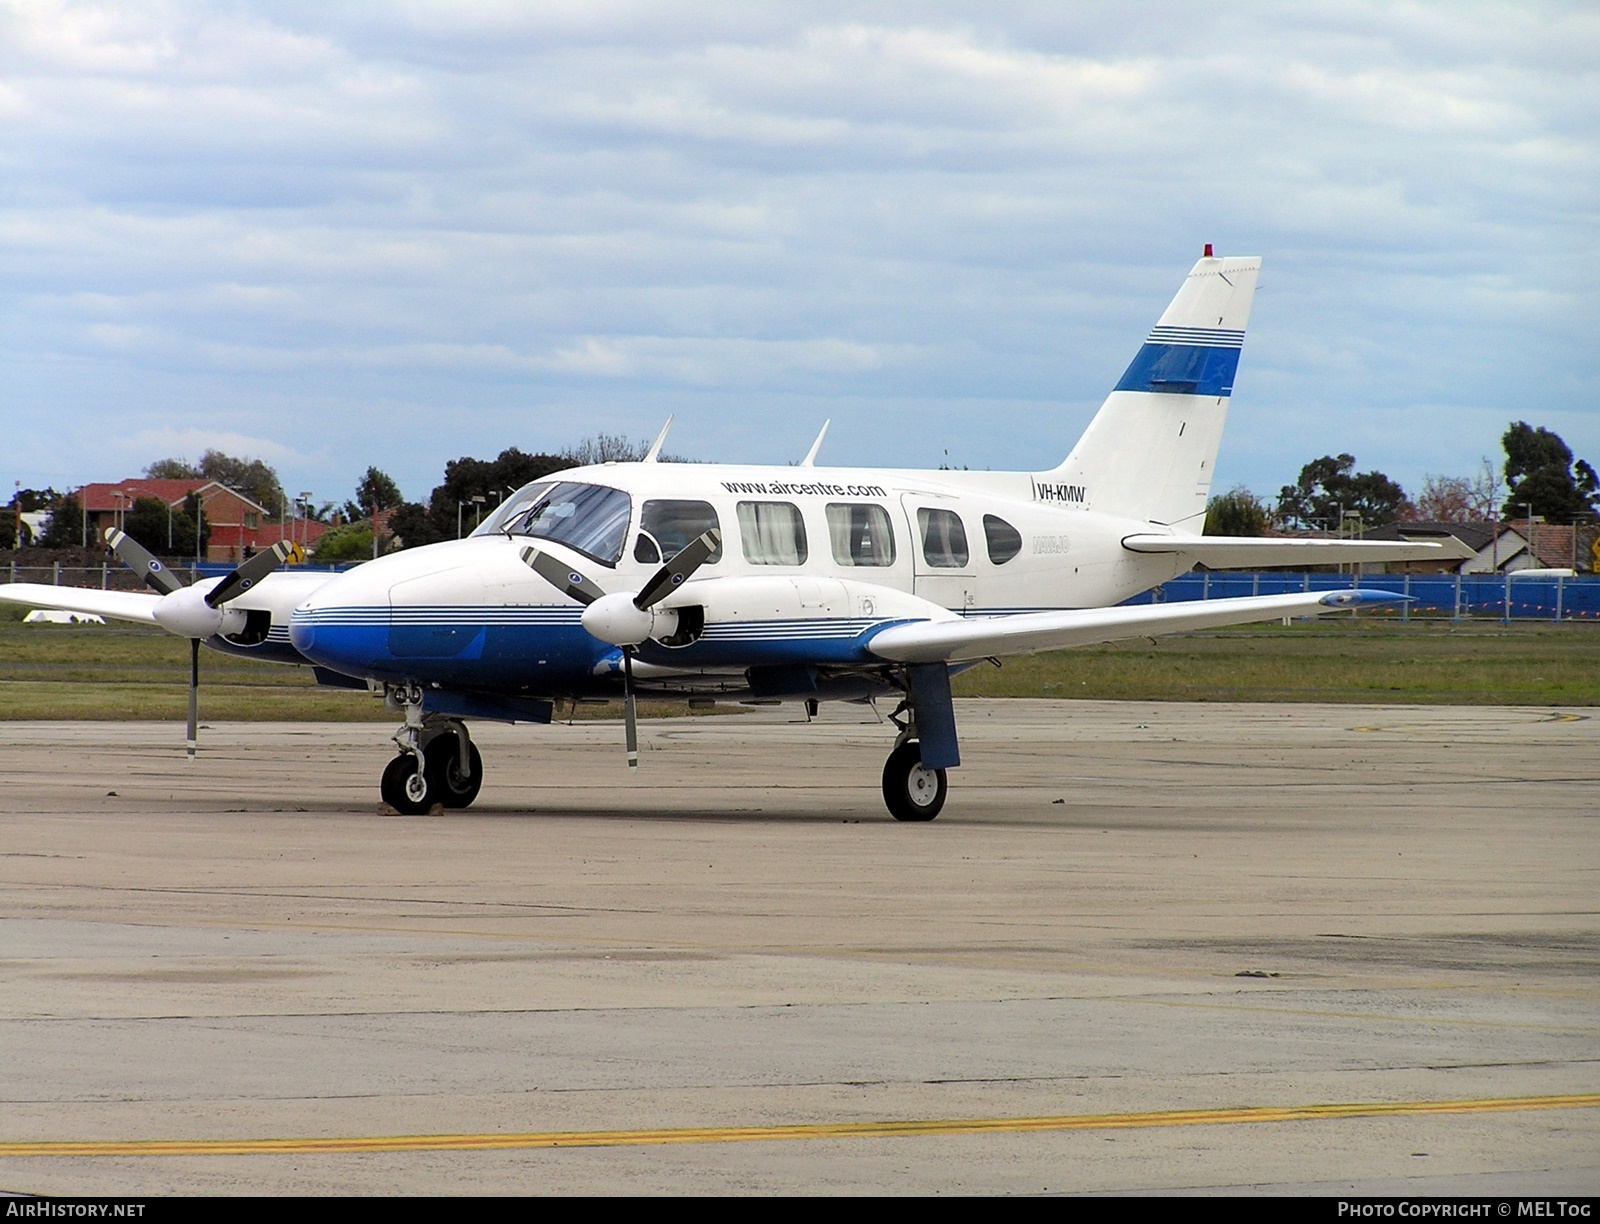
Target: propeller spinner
<point>192,613</point>
<point>628,620</point>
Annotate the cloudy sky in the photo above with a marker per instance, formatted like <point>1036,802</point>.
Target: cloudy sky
<point>332,235</point>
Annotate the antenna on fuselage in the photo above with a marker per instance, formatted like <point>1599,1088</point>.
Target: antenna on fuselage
<point>817,445</point>
<point>655,447</point>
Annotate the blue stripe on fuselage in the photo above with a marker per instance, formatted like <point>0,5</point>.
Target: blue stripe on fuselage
<point>1182,369</point>
<point>457,649</point>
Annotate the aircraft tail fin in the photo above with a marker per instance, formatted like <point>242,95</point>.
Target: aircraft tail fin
<point>1150,451</point>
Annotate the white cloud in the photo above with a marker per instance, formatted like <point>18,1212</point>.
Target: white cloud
<point>191,443</point>
<point>499,223</point>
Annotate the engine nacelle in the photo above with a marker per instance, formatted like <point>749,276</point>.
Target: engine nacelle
<point>187,614</point>
<point>615,619</point>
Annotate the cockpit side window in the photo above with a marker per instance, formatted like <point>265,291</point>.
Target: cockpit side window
<point>591,519</point>
<point>672,525</point>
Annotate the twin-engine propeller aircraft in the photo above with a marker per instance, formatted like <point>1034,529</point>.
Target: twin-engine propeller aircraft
<point>784,584</point>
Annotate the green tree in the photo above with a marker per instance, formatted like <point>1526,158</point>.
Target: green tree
<point>1543,479</point>
<point>1330,486</point>
<point>1238,512</point>
<point>351,542</point>
<point>150,523</point>
<point>606,448</point>
<point>376,491</point>
<point>255,479</point>
<point>146,522</point>
<point>173,469</point>
<point>65,526</point>
<point>412,525</point>
<point>490,479</point>
<point>495,479</point>
<point>35,500</point>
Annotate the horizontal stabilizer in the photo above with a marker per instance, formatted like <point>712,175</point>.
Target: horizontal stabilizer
<point>134,606</point>
<point>968,638</point>
<point>1257,552</point>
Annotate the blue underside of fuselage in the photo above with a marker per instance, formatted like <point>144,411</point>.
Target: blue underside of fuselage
<point>559,658</point>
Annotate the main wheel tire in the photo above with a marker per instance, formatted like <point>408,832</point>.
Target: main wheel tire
<point>443,755</point>
<point>403,788</point>
<point>911,791</point>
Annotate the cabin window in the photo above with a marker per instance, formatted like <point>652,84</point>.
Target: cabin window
<point>589,518</point>
<point>673,525</point>
<point>1004,540</point>
<point>944,539</point>
<point>860,534</point>
<point>772,533</point>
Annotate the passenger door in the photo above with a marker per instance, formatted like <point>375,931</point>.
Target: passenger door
<point>943,551</point>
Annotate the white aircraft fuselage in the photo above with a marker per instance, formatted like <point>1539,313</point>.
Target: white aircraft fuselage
<point>736,583</point>
<point>860,549</point>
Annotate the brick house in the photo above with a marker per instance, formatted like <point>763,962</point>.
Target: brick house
<point>238,525</point>
<point>1497,547</point>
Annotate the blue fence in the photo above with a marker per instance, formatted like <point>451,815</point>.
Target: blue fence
<point>1432,595</point>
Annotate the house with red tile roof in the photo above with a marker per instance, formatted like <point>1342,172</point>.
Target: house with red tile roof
<point>239,526</point>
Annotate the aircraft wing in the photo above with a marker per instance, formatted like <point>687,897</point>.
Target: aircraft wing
<point>1255,552</point>
<point>134,606</point>
<point>969,638</point>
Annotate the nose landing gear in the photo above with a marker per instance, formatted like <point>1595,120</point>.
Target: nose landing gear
<point>437,763</point>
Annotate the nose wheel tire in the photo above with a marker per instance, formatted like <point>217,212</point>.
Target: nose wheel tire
<point>912,791</point>
<point>443,769</point>
<point>404,789</point>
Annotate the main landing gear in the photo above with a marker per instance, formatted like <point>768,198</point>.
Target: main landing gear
<point>438,762</point>
<point>911,790</point>
<point>914,789</point>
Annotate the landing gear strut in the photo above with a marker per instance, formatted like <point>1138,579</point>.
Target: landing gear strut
<point>438,762</point>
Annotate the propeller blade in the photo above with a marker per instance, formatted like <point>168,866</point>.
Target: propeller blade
<point>137,558</point>
<point>630,712</point>
<point>679,570</point>
<point>194,695</point>
<point>562,576</point>
<point>253,571</point>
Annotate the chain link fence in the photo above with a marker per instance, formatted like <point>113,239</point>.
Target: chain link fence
<point>114,576</point>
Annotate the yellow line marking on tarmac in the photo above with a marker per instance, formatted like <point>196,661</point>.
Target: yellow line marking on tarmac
<point>739,1134</point>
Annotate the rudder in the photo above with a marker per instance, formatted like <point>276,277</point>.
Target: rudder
<point>1150,451</point>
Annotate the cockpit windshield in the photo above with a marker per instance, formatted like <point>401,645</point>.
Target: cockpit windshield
<point>589,518</point>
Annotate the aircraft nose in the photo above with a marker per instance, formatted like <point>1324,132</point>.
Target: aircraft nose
<point>344,624</point>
